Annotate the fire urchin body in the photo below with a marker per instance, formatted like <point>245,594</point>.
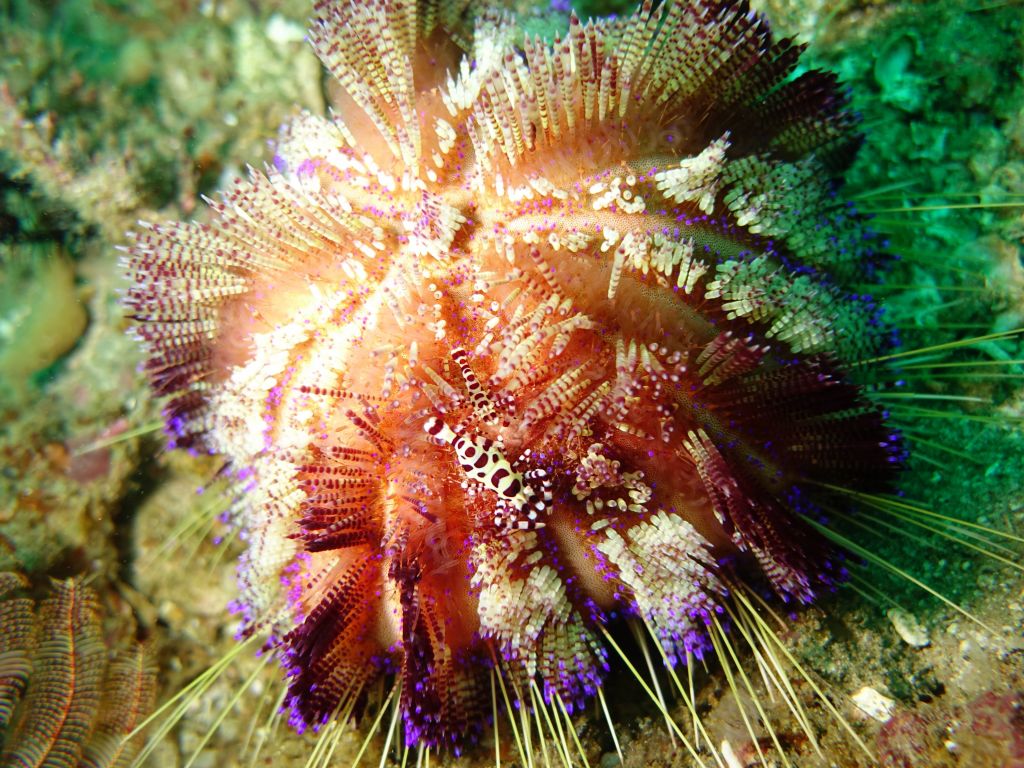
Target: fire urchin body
<point>531,335</point>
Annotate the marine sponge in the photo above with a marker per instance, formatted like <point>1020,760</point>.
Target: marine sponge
<point>41,314</point>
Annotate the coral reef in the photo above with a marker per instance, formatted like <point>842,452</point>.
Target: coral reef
<point>109,117</point>
<point>987,731</point>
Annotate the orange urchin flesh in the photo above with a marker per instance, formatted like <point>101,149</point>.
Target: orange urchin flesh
<point>530,335</point>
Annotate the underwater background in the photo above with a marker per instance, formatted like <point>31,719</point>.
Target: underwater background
<point>111,112</point>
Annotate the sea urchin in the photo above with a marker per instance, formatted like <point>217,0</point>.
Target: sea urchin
<point>527,337</point>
